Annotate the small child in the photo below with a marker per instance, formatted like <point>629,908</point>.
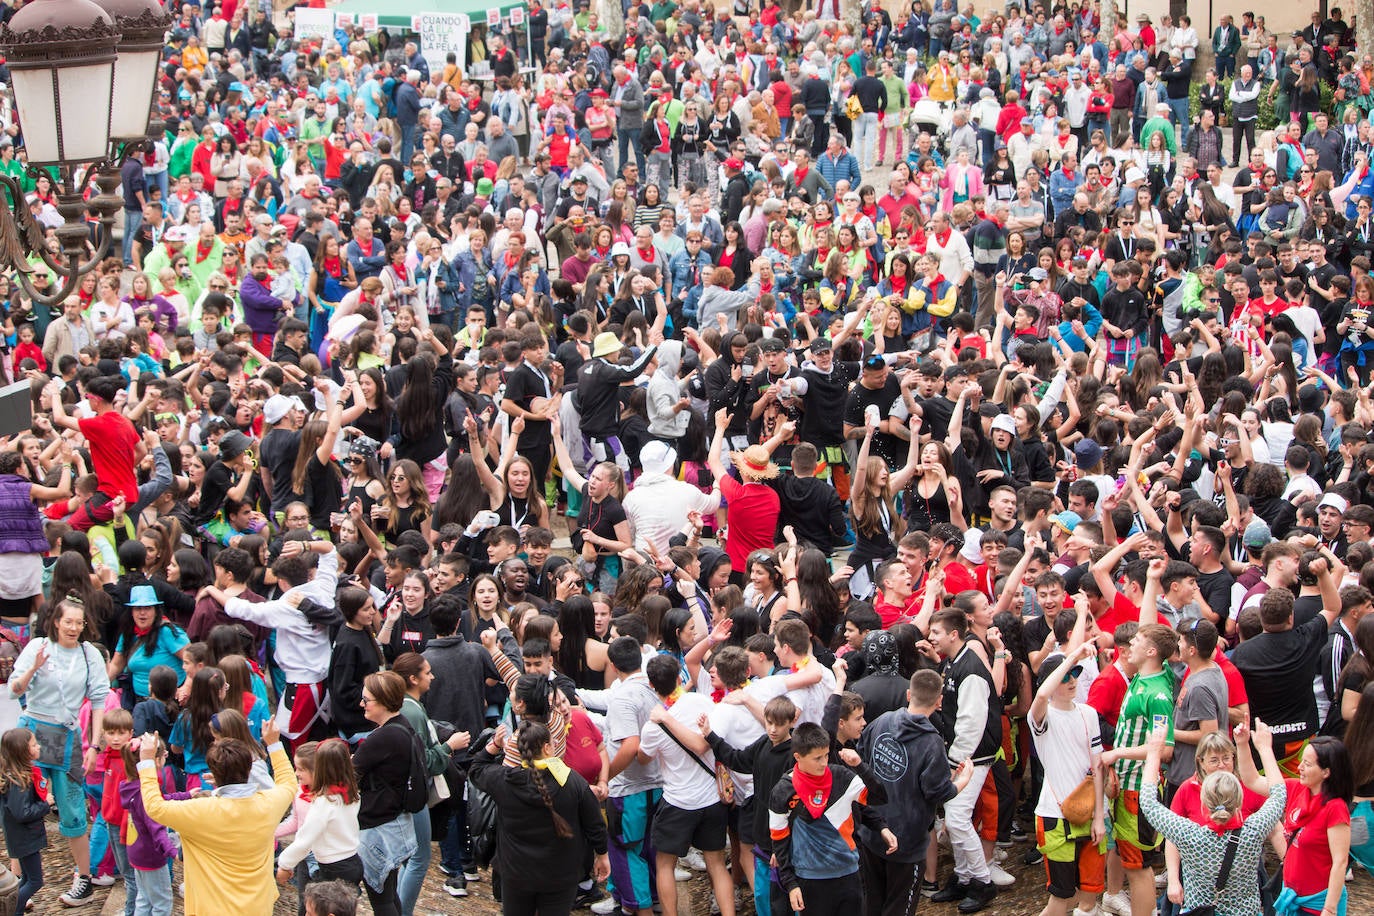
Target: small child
<point>300,805</point>
<point>119,731</point>
<point>817,802</point>
<point>329,828</point>
<point>149,846</point>
<point>24,811</point>
<point>193,735</point>
<point>28,348</point>
<point>330,898</point>
<point>158,713</point>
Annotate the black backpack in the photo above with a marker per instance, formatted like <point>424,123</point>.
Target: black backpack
<point>414,792</point>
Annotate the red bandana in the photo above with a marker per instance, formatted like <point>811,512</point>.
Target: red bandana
<point>814,791</point>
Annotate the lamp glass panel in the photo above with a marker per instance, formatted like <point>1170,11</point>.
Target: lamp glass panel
<point>134,75</point>
<point>34,97</point>
<point>85,101</point>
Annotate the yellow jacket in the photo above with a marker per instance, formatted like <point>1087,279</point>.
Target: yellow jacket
<point>226,842</point>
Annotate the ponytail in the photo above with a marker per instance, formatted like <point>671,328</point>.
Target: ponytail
<point>531,741</point>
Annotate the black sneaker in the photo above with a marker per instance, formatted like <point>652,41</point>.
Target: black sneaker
<point>951,892</point>
<point>1018,834</point>
<point>980,894</point>
<point>82,892</point>
<point>1033,856</point>
<point>457,886</point>
<point>929,889</point>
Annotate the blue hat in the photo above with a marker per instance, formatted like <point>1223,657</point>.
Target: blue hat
<point>142,596</point>
<point>1066,520</point>
<point>1027,122</point>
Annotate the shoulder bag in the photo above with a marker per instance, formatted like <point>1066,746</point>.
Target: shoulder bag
<point>1232,844</point>
<point>725,783</point>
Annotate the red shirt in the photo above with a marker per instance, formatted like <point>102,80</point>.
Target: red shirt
<point>1188,802</point>
<point>892,614</point>
<point>1107,693</point>
<point>584,740</point>
<point>1235,684</point>
<point>958,578</point>
<point>752,513</point>
<point>1307,867</point>
<point>112,440</point>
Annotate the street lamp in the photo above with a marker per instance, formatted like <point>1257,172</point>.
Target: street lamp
<point>83,75</point>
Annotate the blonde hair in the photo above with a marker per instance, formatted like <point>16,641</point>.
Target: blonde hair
<point>1221,796</point>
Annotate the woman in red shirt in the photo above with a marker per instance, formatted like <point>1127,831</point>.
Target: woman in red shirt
<point>1316,822</point>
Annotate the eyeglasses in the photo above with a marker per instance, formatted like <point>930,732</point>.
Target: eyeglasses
<point>367,699</point>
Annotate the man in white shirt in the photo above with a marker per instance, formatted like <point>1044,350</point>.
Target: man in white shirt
<point>301,617</point>
<point>658,505</point>
<point>691,813</point>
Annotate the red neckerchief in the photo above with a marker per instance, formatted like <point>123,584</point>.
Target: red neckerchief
<point>1063,142</point>
<point>942,239</point>
<point>602,252</point>
<point>935,281</point>
<point>1233,824</point>
<point>645,254</point>
<point>231,273</point>
<point>814,791</point>
<point>898,284</point>
<point>333,266</point>
<point>511,259</point>
<point>821,224</point>
<point>400,271</point>
<point>142,631</point>
<point>203,250</point>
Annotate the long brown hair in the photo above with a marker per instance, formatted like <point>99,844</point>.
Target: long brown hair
<point>333,773</point>
<point>312,434</point>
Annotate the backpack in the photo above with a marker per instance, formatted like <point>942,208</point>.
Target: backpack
<point>414,793</point>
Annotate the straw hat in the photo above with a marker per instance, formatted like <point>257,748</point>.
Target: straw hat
<point>755,463</point>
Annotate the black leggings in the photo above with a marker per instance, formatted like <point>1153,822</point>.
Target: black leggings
<point>385,903</point>
<point>520,901</point>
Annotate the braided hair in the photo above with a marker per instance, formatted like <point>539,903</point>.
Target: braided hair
<point>531,741</point>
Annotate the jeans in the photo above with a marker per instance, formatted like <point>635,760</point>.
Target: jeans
<point>413,872</point>
<point>154,892</point>
<point>121,855</point>
<point>865,136</point>
<point>628,139</point>
<point>969,861</point>
<point>133,221</point>
<point>31,867</point>
<point>407,140</point>
<point>455,849</point>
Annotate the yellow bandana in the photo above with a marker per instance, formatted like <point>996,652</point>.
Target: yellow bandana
<point>555,768</point>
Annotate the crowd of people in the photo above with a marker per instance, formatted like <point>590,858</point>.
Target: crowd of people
<point>1013,507</point>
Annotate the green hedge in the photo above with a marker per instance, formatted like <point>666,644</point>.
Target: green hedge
<point>1267,118</point>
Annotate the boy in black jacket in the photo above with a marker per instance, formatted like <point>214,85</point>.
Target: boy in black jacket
<point>907,755</point>
<point>811,822</point>
<point>768,760</point>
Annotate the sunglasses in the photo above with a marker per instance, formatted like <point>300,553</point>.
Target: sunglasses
<point>1072,674</point>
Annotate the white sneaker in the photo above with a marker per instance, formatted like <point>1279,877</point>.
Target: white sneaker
<point>103,880</point>
<point>681,874</point>
<point>999,855</point>
<point>693,860</point>
<point>1000,876</point>
<point>605,906</point>
<point>1118,904</point>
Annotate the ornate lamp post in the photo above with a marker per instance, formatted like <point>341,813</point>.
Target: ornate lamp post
<point>83,77</point>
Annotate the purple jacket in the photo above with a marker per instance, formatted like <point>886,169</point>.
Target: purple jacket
<point>260,308</point>
<point>153,847</point>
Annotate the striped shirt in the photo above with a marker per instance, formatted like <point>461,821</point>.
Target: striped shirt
<point>1148,697</point>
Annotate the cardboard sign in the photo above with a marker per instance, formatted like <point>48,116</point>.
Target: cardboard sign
<point>441,33</point>
<point>493,17</point>
<point>368,21</point>
<point>313,23</point>
<point>517,16</point>
<point>343,21</point>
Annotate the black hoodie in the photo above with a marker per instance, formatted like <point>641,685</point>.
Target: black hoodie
<point>907,756</point>
<point>529,846</point>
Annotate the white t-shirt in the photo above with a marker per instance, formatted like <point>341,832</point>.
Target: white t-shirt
<point>810,701</point>
<point>737,726</point>
<point>686,784</point>
<point>1068,741</point>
